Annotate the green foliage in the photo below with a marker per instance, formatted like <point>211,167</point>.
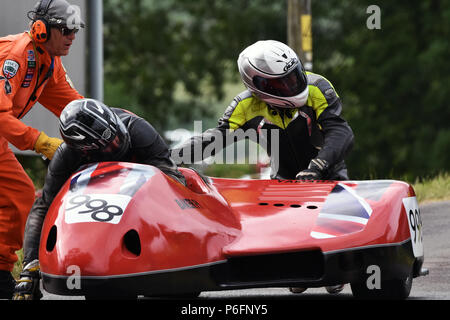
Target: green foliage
<point>231,170</point>
<point>35,167</point>
<point>18,265</point>
<point>154,47</point>
<point>394,82</point>
<point>433,189</point>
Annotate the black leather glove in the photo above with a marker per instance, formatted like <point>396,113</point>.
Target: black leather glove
<point>27,287</point>
<point>316,170</point>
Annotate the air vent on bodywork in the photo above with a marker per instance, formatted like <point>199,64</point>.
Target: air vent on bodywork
<point>51,239</point>
<point>293,205</point>
<point>131,244</point>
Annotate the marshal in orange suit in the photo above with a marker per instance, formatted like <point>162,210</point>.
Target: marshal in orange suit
<point>30,71</point>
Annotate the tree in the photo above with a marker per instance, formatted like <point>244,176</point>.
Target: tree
<point>168,60</point>
<point>154,48</point>
<point>394,82</point>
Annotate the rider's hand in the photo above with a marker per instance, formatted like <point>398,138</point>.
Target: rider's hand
<point>27,287</point>
<point>47,146</point>
<point>316,170</point>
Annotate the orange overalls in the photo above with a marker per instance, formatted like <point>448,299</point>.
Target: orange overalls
<point>27,74</point>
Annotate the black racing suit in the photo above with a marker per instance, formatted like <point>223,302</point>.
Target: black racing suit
<point>291,137</point>
<point>147,147</point>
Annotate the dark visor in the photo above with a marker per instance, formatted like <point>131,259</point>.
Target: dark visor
<point>67,31</point>
<point>116,148</point>
<point>290,85</point>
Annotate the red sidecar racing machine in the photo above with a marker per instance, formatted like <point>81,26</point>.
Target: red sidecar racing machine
<point>124,229</point>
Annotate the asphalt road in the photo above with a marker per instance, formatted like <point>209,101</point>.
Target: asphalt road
<point>435,286</point>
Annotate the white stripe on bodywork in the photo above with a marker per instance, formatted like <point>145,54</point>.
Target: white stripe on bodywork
<point>361,200</point>
<point>344,218</point>
<point>84,178</point>
<point>320,235</point>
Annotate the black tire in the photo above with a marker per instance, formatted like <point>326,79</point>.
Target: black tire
<point>396,289</point>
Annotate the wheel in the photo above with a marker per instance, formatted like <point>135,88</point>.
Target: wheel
<point>297,289</point>
<point>396,289</point>
<point>335,289</point>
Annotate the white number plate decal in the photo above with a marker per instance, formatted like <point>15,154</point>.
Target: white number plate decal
<point>415,224</point>
<point>96,208</point>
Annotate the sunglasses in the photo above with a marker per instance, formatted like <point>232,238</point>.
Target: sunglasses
<point>67,32</point>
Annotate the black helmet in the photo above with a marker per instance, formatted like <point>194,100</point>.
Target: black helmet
<point>91,126</point>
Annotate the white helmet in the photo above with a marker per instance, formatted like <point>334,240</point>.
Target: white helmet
<point>273,72</point>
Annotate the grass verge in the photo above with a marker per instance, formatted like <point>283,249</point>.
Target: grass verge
<point>433,189</point>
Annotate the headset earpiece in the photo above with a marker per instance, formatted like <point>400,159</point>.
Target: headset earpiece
<point>40,31</point>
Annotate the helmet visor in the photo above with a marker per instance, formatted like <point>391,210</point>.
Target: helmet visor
<point>290,85</point>
<point>113,147</point>
<point>116,148</point>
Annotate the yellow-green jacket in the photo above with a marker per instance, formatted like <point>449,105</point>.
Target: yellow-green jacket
<point>292,137</point>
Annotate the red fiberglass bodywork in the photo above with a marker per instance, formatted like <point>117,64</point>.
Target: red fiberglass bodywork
<point>130,228</point>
